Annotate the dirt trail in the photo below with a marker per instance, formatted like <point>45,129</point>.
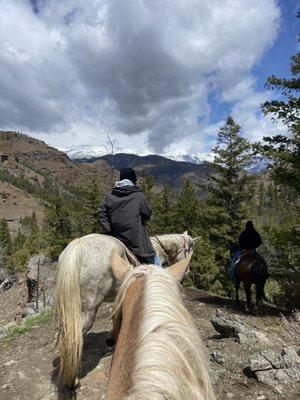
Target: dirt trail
<point>28,361</point>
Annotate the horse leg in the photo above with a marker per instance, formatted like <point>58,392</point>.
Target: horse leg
<point>247,287</point>
<point>237,286</point>
<point>259,296</point>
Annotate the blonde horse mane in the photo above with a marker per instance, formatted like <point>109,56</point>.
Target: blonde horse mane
<point>169,357</point>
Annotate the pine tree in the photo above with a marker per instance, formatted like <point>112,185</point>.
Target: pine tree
<point>59,225</point>
<point>5,238</point>
<point>228,185</point>
<point>228,191</point>
<point>187,209</point>
<point>5,244</point>
<point>284,150</point>
<point>26,243</point>
<point>91,202</point>
<point>164,211</point>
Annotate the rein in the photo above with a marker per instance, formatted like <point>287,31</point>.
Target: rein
<point>161,245</point>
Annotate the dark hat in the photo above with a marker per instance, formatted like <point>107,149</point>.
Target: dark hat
<point>249,225</point>
<point>128,173</point>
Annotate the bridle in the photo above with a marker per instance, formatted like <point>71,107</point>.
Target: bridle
<point>186,247</point>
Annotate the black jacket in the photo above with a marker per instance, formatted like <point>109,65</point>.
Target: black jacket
<point>123,214</point>
<point>249,239</point>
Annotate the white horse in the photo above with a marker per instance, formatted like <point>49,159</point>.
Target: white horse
<point>84,280</point>
<point>159,354</point>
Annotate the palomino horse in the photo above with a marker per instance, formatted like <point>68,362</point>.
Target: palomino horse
<point>84,280</point>
<point>159,354</point>
<point>251,268</point>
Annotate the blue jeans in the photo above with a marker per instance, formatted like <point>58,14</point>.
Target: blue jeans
<point>153,260</point>
<point>234,259</point>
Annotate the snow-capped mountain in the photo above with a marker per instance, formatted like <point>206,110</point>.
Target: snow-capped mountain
<point>258,164</point>
<point>88,152</point>
<point>190,158</point>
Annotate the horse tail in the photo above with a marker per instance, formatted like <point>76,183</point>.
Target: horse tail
<point>68,312</point>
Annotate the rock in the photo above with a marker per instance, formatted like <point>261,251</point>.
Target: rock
<point>6,386</point>
<point>273,367</point>
<point>3,275</point>
<point>278,389</point>
<point>229,395</point>
<point>217,357</point>
<point>10,363</point>
<point>5,285</point>
<point>233,326</point>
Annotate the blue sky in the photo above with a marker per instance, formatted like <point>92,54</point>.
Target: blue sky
<point>276,61</point>
<point>161,76</point>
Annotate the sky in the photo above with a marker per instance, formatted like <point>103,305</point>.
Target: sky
<point>159,75</point>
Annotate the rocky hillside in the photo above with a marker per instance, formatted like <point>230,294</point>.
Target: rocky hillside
<point>250,357</point>
<point>28,165</point>
<point>36,159</point>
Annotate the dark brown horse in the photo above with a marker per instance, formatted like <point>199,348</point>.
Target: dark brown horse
<point>251,268</point>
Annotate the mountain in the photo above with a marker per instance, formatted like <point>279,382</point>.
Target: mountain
<point>163,170</point>
<point>88,152</point>
<point>91,153</point>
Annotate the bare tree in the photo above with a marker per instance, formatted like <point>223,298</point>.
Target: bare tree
<point>111,141</point>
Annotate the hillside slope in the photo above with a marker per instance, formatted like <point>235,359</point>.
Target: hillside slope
<point>28,168</point>
<point>31,156</point>
<point>16,204</point>
<point>29,360</point>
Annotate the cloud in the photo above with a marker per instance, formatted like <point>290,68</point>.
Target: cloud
<point>147,67</point>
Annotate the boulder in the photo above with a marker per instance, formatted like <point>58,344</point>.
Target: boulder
<point>233,326</point>
<point>275,368</point>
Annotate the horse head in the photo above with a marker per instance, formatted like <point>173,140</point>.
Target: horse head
<point>186,246</point>
<point>174,247</point>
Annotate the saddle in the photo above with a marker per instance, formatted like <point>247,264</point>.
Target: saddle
<point>246,252</point>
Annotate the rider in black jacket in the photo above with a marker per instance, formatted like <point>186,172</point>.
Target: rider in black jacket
<point>249,239</point>
<point>123,215</point>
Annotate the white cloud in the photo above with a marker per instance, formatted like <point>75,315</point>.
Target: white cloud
<point>144,66</point>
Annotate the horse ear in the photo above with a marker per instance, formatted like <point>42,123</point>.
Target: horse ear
<point>185,233</point>
<point>196,239</point>
<point>177,270</point>
<point>119,266</point>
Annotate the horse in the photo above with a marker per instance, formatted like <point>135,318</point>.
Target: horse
<point>84,280</point>
<point>251,268</point>
<point>159,353</point>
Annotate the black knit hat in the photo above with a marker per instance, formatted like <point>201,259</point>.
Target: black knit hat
<point>249,225</point>
<point>128,173</point>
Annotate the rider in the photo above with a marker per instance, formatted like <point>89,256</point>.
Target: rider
<point>249,239</point>
<point>124,213</point>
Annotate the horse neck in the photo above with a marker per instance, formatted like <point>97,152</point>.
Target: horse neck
<point>167,337</point>
<point>131,309</point>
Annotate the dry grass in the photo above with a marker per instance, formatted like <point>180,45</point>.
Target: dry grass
<point>291,328</point>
